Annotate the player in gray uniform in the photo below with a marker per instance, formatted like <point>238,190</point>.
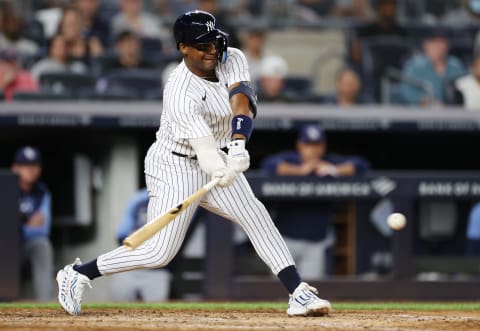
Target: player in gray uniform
<point>208,104</point>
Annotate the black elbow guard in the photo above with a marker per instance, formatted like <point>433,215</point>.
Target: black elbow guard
<point>246,88</point>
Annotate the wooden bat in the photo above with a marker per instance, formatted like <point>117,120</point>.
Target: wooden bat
<point>148,230</point>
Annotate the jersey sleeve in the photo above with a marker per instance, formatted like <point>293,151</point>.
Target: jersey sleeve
<point>236,67</point>
<point>187,120</point>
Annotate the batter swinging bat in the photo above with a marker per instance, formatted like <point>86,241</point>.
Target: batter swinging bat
<point>148,230</point>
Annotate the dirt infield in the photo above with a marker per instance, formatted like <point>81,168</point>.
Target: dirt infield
<point>265,319</point>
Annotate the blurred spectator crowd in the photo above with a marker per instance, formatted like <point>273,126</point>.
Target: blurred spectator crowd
<point>397,51</point>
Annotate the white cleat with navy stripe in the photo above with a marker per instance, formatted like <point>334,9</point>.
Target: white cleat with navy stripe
<point>304,302</point>
<point>71,285</point>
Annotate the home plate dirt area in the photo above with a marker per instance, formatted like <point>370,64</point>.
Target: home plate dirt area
<point>258,319</point>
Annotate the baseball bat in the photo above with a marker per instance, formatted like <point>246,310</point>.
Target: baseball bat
<point>148,230</point>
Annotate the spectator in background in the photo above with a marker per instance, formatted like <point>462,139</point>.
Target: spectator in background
<point>348,89</point>
<point>12,77</point>
<point>79,47</point>
<point>128,54</point>
<point>271,82</point>
<point>12,36</point>
<point>150,285</point>
<point>132,17</point>
<point>435,69</point>
<point>469,86</point>
<point>57,60</point>
<point>94,26</point>
<point>306,226</point>
<point>315,9</point>
<point>253,46</point>
<point>359,9</point>
<point>35,210</point>
<point>473,231</point>
<point>385,25</point>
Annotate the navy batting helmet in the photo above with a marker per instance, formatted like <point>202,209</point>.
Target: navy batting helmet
<point>198,26</point>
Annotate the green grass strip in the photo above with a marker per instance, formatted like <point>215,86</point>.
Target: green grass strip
<point>413,306</point>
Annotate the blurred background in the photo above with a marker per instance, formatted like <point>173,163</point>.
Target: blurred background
<point>391,86</point>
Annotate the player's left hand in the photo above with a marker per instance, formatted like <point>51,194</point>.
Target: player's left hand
<point>238,157</point>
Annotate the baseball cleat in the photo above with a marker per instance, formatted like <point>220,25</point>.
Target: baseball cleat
<point>71,285</point>
<point>305,302</point>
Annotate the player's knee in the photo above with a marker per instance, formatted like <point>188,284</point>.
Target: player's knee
<point>162,259</point>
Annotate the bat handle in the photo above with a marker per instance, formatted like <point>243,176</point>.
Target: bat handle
<point>211,184</point>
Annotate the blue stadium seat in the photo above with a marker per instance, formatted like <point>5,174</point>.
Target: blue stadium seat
<point>71,84</point>
<point>40,96</point>
<point>34,30</point>
<point>463,50</point>
<point>378,56</point>
<point>140,84</point>
<point>150,45</point>
<point>300,88</point>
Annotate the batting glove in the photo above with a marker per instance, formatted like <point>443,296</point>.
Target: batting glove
<point>238,157</point>
<point>226,175</point>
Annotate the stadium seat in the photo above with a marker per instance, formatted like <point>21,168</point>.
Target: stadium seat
<point>140,84</point>
<point>151,45</point>
<point>41,96</point>
<point>34,30</point>
<point>463,50</point>
<point>378,56</point>
<point>71,84</point>
<point>300,88</point>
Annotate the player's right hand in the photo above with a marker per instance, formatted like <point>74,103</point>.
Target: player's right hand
<point>226,176</point>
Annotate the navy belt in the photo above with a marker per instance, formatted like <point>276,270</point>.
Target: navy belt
<point>185,156</point>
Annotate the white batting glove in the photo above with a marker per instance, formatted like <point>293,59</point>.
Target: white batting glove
<point>226,174</point>
<point>238,157</point>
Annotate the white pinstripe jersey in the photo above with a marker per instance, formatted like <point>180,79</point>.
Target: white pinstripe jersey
<point>194,107</point>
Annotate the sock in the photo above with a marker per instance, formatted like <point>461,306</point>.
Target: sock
<point>88,269</point>
<point>290,278</point>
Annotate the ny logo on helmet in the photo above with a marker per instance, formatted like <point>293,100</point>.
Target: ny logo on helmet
<point>210,25</point>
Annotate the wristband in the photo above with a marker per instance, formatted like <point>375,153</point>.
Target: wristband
<point>242,124</point>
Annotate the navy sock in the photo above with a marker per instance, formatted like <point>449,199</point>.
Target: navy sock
<point>290,278</point>
<point>88,269</point>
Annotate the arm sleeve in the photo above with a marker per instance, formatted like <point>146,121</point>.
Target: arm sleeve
<point>187,120</point>
<point>45,210</point>
<point>208,157</point>
<point>236,67</point>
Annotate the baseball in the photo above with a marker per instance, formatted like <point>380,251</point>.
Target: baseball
<point>396,221</point>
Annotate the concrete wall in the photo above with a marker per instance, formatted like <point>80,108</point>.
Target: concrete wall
<point>119,169</point>
<point>302,49</point>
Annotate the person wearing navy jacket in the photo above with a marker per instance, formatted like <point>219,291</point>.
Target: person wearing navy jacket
<point>306,226</point>
<point>35,212</point>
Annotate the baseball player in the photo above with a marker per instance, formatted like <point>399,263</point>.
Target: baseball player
<point>208,104</point>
